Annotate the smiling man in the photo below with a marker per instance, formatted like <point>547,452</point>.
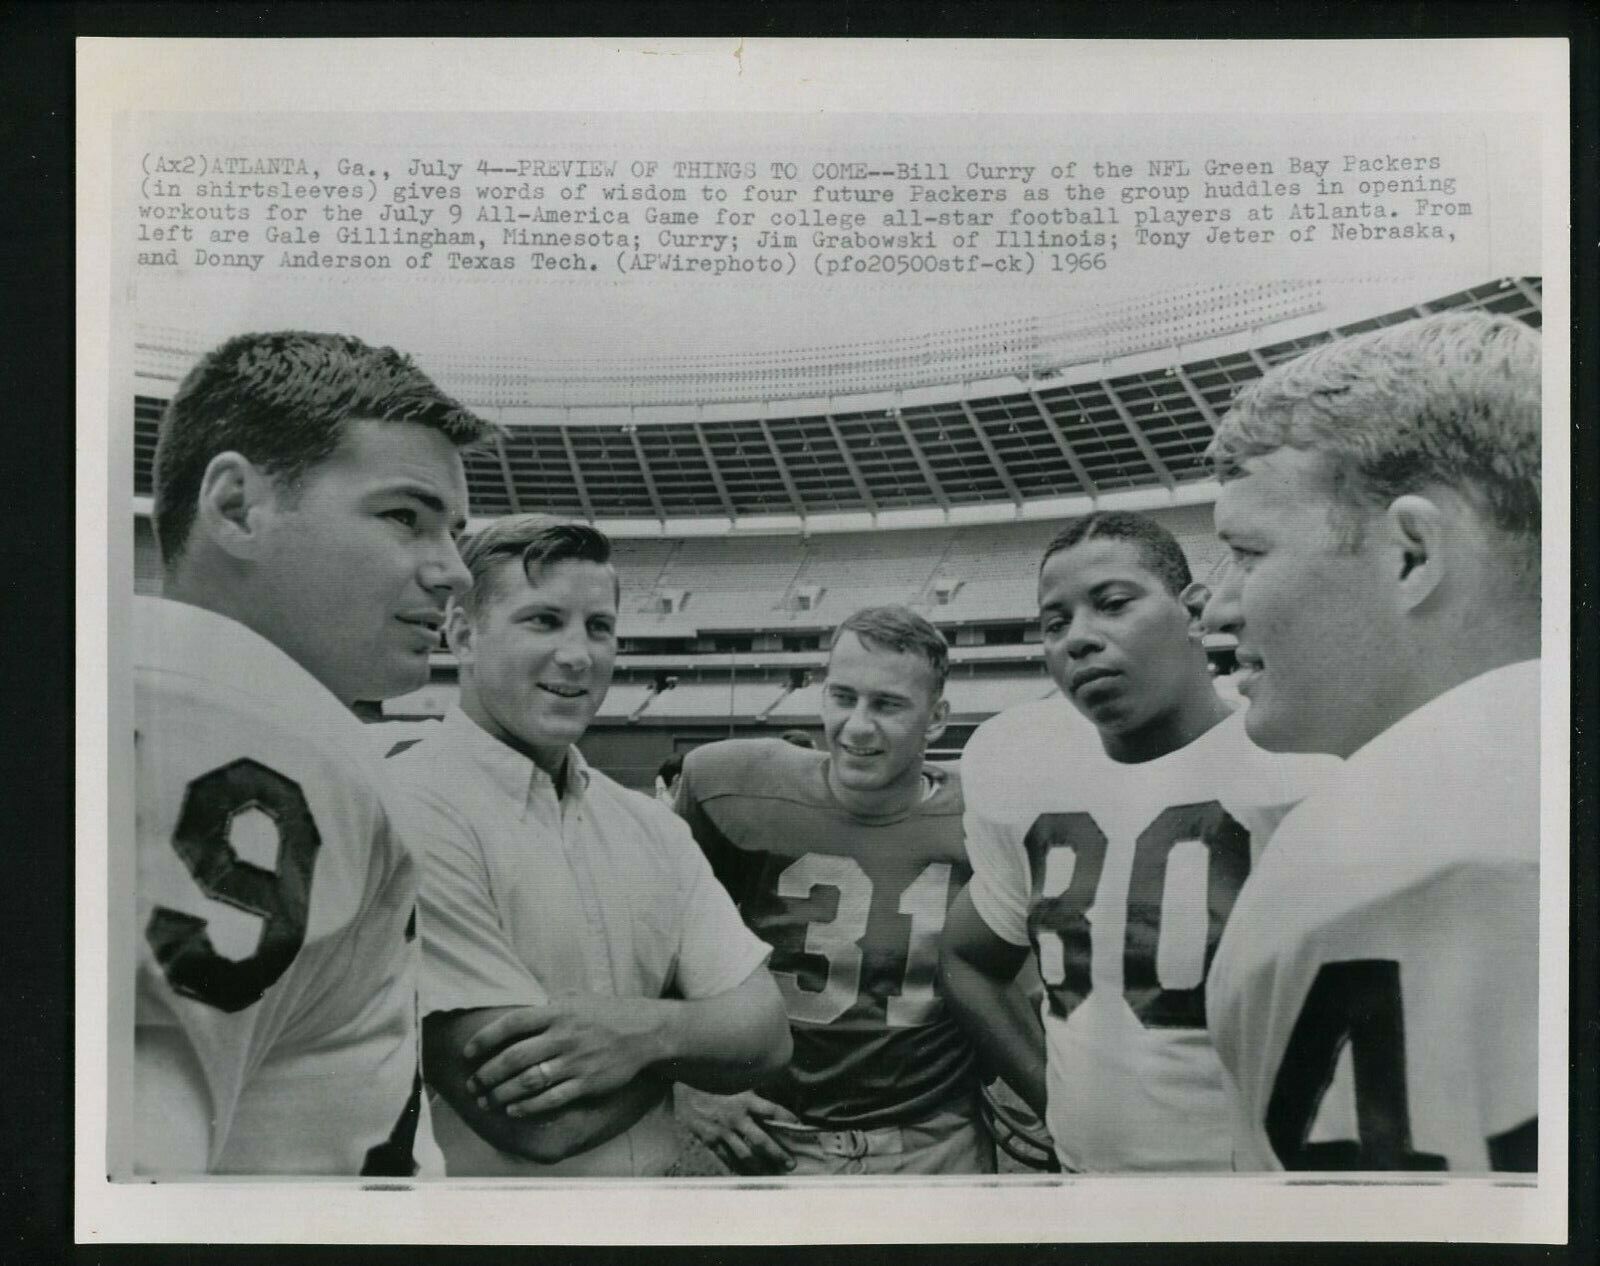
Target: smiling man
<point>1377,993</point>
<point>579,955</point>
<point>1116,849</point>
<point>308,491</point>
<point>846,861</point>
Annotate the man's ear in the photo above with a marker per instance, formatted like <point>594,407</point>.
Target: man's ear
<point>235,504</point>
<point>1196,594</point>
<point>1420,548</point>
<point>458,633</point>
<point>938,719</point>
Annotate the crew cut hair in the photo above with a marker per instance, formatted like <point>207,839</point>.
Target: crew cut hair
<point>899,629</point>
<point>537,540</point>
<point>282,400</point>
<point>1449,400</point>
<point>1159,550</point>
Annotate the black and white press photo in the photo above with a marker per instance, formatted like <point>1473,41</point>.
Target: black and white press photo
<point>696,645</point>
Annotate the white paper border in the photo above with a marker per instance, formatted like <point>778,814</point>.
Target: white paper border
<point>1111,77</point>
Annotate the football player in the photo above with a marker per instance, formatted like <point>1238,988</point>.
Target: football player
<point>1111,828</point>
<point>1376,995</point>
<point>846,861</point>
<point>308,491</point>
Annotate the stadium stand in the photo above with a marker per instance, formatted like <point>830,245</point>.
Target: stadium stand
<point>624,699</point>
<point>727,582</point>
<point>843,573</point>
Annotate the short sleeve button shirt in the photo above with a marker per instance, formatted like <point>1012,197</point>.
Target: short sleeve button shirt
<point>527,894</point>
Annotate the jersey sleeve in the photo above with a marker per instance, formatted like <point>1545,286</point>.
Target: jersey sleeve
<point>189,1070</point>
<point>999,887</point>
<point>1000,883</point>
<point>173,1129</point>
<point>686,804</point>
<point>733,868</point>
<point>190,1057</point>
<point>467,960</point>
<point>716,951</point>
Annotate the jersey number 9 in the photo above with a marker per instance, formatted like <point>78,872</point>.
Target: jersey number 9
<point>280,897</point>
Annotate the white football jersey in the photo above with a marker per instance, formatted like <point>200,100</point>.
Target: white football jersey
<point>1122,876</point>
<point>1376,997</point>
<point>276,908</point>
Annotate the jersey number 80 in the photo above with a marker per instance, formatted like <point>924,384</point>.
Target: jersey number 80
<point>1187,868</point>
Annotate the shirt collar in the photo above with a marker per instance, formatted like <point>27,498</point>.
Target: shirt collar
<point>181,637</point>
<point>516,776</point>
<point>933,781</point>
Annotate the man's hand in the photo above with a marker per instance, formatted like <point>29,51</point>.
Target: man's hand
<point>732,1127</point>
<point>539,1059</point>
<point>549,1137</point>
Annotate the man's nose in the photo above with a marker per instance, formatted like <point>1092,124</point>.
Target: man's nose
<point>444,570</point>
<point>1222,612</point>
<point>859,720</point>
<point>1083,636</point>
<point>574,649</point>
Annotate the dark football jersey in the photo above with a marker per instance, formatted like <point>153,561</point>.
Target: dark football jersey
<point>853,908</point>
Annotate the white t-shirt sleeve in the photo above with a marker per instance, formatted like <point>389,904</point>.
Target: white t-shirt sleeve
<point>467,959</point>
<point>716,951</point>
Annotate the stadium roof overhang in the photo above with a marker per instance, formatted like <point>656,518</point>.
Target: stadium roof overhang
<point>1011,421</point>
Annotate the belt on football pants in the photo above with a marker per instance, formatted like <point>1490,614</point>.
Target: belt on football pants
<point>883,1140</point>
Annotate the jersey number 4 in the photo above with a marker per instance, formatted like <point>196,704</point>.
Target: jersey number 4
<point>838,940</point>
<point>280,897</point>
<point>1357,1003</point>
<point>1187,868</point>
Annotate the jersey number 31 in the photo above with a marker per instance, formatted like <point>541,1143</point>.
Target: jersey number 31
<point>838,940</point>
